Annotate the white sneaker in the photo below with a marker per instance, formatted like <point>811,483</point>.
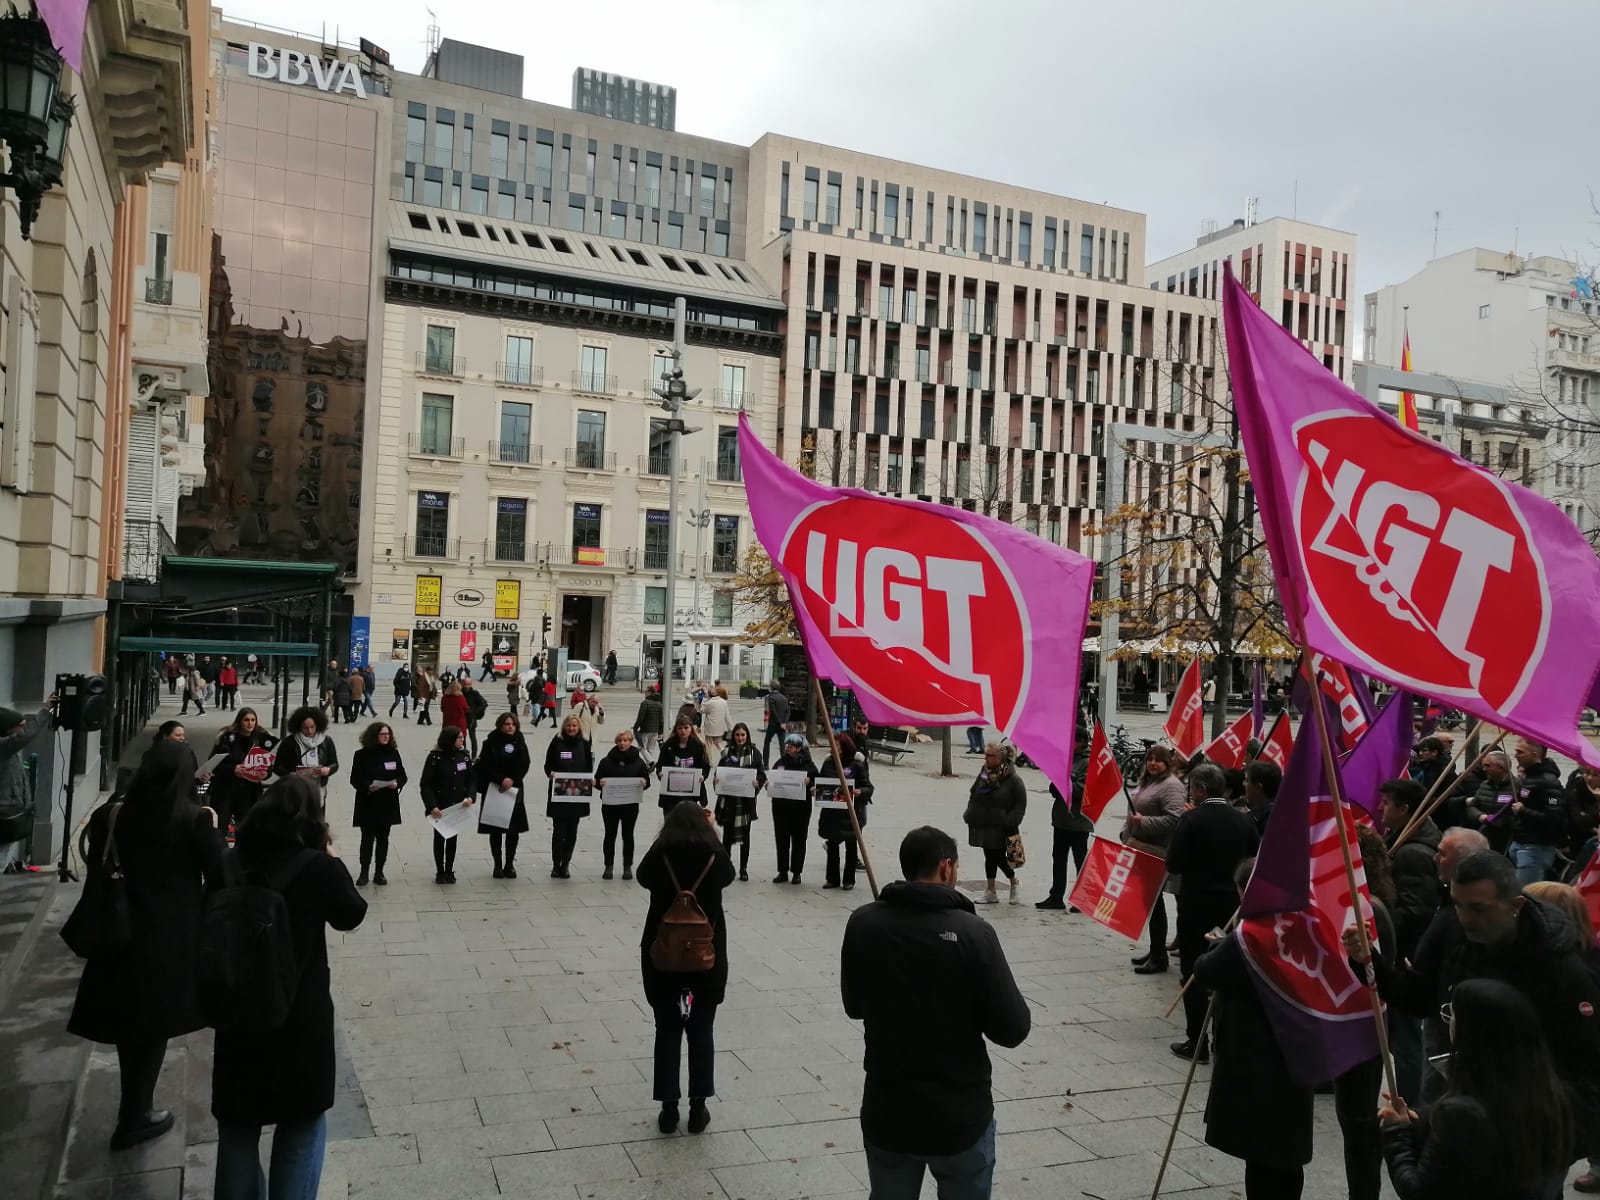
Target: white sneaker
<point>1014,881</point>
<point>989,896</point>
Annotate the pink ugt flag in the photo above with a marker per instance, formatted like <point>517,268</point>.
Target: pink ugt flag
<point>1396,556</point>
<point>65,20</point>
<point>935,616</point>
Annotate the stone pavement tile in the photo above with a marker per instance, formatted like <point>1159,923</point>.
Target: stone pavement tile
<point>448,1178</point>
<point>693,1185</point>
<point>200,1172</point>
<point>548,1074</point>
<point>1208,1165</point>
<point>772,1058</point>
<point>1125,1178</point>
<point>390,1150</point>
<point>671,1154</point>
<point>88,1154</point>
<point>412,1118</point>
<point>469,1083</point>
<point>539,1106</point>
<point>33,1110</point>
<point>519,1173</point>
<point>373,1067</point>
<point>578,1009</point>
<point>1049,1112</point>
<point>822,1106</point>
<point>1128,1103</point>
<point>1111,1139</point>
<point>821,1175</point>
<point>521,1137</point>
<point>1039,1148</point>
<point>603,1128</point>
<point>29,1163</point>
<point>802,1140</point>
<point>513,1009</point>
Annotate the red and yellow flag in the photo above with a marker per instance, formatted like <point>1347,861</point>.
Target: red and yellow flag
<point>1408,402</point>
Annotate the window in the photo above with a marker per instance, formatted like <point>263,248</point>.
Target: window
<point>831,212</point>
<point>592,373</point>
<point>908,306</point>
<point>591,448</point>
<point>437,414</point>
<point>510,529</point>
<point>1483,312</point>
<point>433,523</point>
<point>440,355</point>
<point>657,528</point>
<point>885,302</point>
<point>809,212</point>
<point>416,138</point>
<point>585,526</point>
<point>433,192</point>
<point>891,214</point>
<point>1025,241</point>
<point>732,386</point>
<point>516,428</point>
<point>708,195</point>
<point>478,200</point>
<point>1049,245</point>
<point>1086,251</point>
<point>727,454</point>
<point>660,461</point>
<point>444,143</point>
<point>575,217</point>
<point>519,359</point>
<point>924,365</point>
<point>499,151</point>
<point>725,543</point>
<point>969,314</point>
<point>891,482</point>
<point>655,605</point>
<point>541,164</point>
<point>721,609</point>
<point>980,230</point>
<point>652,185</point>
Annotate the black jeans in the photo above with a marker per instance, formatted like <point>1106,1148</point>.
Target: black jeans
<point>1063,843</point>
<point>472,737</point>
<point>1158,930</point>
<point>444,853</point>
<point>671,1030</point>
<point>563,840</point>
<point>730,835</point>
<point>773,731</point>
<point>615,817</point>
<point>1355,1101</point>
<point>995,860</point>
<point>790,820</point>
<point>139,1065</point>
<point>510,840</point>
<point>1263,1181</point>
<point>375,839</point>
<point>403,703</point>
<point>850,860</point>
<point>192,698</point>
<point>1198,916</point>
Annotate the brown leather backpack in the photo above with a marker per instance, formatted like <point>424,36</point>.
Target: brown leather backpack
<point>685,937</point>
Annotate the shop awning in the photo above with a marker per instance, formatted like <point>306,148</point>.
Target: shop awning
<point>239,649</point>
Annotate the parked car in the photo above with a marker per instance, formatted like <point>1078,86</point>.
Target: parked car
<point>583,675</point>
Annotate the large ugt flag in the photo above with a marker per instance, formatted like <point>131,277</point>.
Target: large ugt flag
<point>1397,557</point>
<point>934,615</point>
<point>1293,912</point>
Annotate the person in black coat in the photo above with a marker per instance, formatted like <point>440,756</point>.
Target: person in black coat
<point>685,855</point>
<point>622,761</point>
<point>833,824</point>
<point>138,996</point>
<point>791,819</point>
<point>996,805</point>
<point>377,774</point>
<point>735,813</point>
<point>683,749</point>
<point>285,1076</point>
<point>308,750</point>
<point>504,761</point>
<point>567,754</point>
<point>402,691</point>
<point>235,786</point>
<point>447,781</point>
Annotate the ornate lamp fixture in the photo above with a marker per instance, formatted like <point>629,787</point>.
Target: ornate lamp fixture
<point>34,115</point>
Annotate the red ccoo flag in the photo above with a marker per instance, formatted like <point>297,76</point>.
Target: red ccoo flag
<point>1279,742</point>
<point>1186,725</point>
<point>1228,750</point>
<point>1587,885</point>
<point>1104,779</point>
<point>1118,886</point>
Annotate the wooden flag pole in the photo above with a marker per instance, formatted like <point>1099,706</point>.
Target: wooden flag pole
<point>1331,768</point>
<point>1189,982</point>
<point>1436,794</point>
<point>1183,1098</point>
<point>844,785</point>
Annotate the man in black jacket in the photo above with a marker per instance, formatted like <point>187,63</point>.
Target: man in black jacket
<point>777,716</point>
<point>1415,872</point>
<point>477,709</point>
<point>1538,814</point>
<point>927,1103</point>
<point>1212,838</point>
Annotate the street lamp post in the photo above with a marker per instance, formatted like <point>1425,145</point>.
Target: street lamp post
<point>674,395</point>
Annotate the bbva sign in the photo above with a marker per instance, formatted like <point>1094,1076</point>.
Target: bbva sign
<point>296,68</point>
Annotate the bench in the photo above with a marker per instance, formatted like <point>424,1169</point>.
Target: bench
<point>888,742</point>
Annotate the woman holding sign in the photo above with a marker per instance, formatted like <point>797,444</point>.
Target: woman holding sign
<point>833,822</point>
<point>503,763</point>
<point>377,774</point>
<point>236,781</point>
<point>681,753</point>
<point>568,755</point>
<point>740,775</point>
<point>622,776</point>
<point>790,787</point>
<point>308,750</point>
<point>446,782</point>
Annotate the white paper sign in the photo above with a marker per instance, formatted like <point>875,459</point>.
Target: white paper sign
<point>455,819</point>
<point>570,788</point>
<point>828,793</point>
<point>622,789</point>
<point>787,785</point>
<point>498,807</point>
<point>210,765</point>
<point>735,781</point>
<point>680,781</point>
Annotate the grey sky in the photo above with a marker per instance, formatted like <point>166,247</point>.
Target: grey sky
<point>1179,109</point>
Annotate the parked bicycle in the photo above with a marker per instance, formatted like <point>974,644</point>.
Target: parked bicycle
<point>1129,752</point>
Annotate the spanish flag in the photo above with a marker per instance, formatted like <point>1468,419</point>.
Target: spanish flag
<point>1408,402</point>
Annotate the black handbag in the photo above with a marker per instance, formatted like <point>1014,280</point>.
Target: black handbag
<point>101,921</point>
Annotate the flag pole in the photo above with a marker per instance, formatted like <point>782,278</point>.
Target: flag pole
<point>844,784</point>
<point>1189,982</point>
<point>1183,1098</point>
<point>1436,795</point>
<point>1336,786</point>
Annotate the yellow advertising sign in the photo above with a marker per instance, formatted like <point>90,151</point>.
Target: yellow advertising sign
<point>507,599</point>
<point>430,591</point>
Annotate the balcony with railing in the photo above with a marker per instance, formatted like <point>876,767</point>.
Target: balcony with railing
<point>144,544</point>
<point>158,291</point>
<point>513,374</point>
<point>428,545</point>
<point>594,383</point>
<point>732,399</point>
<point>516,454</point>
<point>590,458</point>
<point>508,550</point>
<point>440,366</point>
<point>426,445</point>
<point>727,469</point>
<point>660,465</point>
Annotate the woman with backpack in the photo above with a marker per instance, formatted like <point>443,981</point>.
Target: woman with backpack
<point>685,871</point>
<point>734,813</point>
<point>504,761</point>
<point>833,824</point>
<point>791,819</point>
<point>235,787</point>
<point>568,754</point>
<point>377,774</point>
<point>623,761</point>
<point>447,781</point>
<point>308,750</point>
<point>141,993</point>
<point>683,749</point>
<point>284,1075</point>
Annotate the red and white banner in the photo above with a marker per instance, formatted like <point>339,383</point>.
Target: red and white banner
<point>1587,885</point>
<point>1118,886</point>
<point>1333,680</point>
<point>1103,781</point>
<point>469,646</point>
<point>1279,742</point>
<point>1186,723</point>
<point>1228,750</point>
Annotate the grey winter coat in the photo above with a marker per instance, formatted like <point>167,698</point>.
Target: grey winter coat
<point>14,797</point>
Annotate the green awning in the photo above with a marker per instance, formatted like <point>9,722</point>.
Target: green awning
<point>239,649</point>
<point>250,566</point>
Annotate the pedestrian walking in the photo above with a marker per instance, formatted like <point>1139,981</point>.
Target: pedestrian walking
<point>1070,832</point>
<point>137,995</point>
<point>308,750</point>
<point>534,688</point>
<point>513,693</point>
<point>927,1104</point>
<point>358,696</point>
<point>173,669</point>
<point>735,813</point>
<point>591,715</point>
<point>453,707</point>
<point>715,720</point>
<point>227,685</point>
<point>504,762</point>
<point>330,683</point>
<point>791,819</point>
<point>567,754</point>
<point>1153,811</point>
<point>17,733</point>
<point>342,695</point>
<point>422,690</point>
<point>284,1076</point>
<point>194,690</point>
<point>235,784</point>
<point>682,749</point>
<point>775,716</point>
<point>833,823</point>
<point>378,776</point>
<point>996,804</point>
<point>403,683</point>
<point>622,761</point>
<point>550,702</point>
<point>477,708</point>
<point>487,663</point>
<point>685,857</point>
<point>611,667</point>
<point>369,686</point>
<point>447,781</point>
<point>648,723</point>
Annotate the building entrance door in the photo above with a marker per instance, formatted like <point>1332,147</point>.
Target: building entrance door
<point>583,627</point>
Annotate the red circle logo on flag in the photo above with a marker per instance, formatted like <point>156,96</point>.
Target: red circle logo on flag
<point>1423,566</point>
<point>919,608</point>
<point>1585,1009</point>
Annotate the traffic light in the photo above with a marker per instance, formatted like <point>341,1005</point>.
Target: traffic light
<point>546,623</point>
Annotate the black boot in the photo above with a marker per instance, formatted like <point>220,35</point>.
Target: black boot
<point>699,1118</point>
<point>667,1122</point>
<point>361,879</point>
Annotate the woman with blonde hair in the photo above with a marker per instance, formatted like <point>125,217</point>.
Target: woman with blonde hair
<point>1158,801</point>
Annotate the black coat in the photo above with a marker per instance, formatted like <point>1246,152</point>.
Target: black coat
<point>1543,819</point>
<point>799,809</point>
<point>649,718</point>
<point>446,779</point>
<point>623,764</point>
<point>567,756</point>
<point>1254,1111</point>
<point>231,796</point>
<point>1211,839</point>
<point>1416,882</point>
<point>995,812</point>
<point>169,852</point>
<point>748,757</point>
<point>833,824</point>
<point>682,754</point>
<point>504,756</point>
<point>662,988</point>
<point>377,809</point>
<point>1453,1151</point>
<point>287,1074</point>
<point>928,1073</point>
<point>291,757</point>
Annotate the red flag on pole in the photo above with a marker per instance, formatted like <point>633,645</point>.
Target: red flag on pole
<point>1118,886</point>
<point>1186,726</point>
<point>1587,885</point>
<point>1279,742</point>
<point>1104,778</point>
<point>1228,750</point>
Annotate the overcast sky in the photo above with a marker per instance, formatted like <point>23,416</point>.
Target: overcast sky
<point>1360,114</point>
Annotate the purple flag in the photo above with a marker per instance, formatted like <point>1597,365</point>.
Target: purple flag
<point>1394,555</point>
<point>1258,699</point>
<point>65,20</point>
<point>1379,756</point>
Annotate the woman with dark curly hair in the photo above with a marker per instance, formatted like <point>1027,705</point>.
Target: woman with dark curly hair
<point>377,774</point>
<point>308,750</point>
